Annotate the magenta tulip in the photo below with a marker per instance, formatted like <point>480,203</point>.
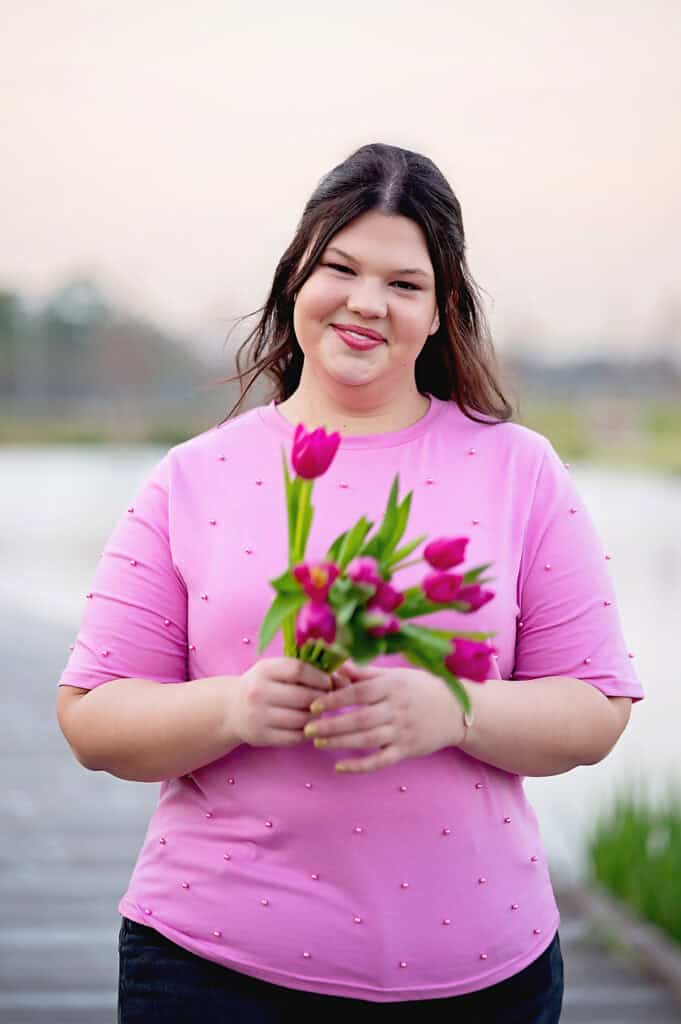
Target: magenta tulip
<point>313,451</point>
<point>315,622</point>
<point>441,587</point>
<point>445,552</point>
<point>386,598</point>
<point>316,578</point>
<point>475,596</point>
<point>364,569</point>
<point>378,622</point>
<point>470,659</point>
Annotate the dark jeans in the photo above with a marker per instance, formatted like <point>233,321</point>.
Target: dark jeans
<point>160,981</point>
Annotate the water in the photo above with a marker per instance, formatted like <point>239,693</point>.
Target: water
<point>60,504</point>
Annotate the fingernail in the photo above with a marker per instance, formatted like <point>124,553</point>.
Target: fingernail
<point>316,706</point>
<point>319,742</point>
<point>341,768</point>
<point>310,729</point>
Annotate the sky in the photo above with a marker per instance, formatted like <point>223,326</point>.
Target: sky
<point>168,149</point>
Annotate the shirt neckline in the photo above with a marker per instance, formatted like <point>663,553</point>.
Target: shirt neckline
<point>272,418</point>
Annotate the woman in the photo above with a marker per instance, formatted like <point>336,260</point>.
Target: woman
<point>384,859</point>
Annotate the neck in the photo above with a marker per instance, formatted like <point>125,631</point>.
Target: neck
<point>353,417</point>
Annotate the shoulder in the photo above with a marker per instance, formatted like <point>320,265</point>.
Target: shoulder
<point>500,440</point>
<point>217,443</point>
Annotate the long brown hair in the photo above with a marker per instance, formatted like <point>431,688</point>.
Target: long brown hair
<point>458,361</point>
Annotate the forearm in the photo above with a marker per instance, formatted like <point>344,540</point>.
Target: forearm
<point>539,727</point>
<point>145,731</point>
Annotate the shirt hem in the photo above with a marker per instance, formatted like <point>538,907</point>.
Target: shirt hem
<point>320,986</point>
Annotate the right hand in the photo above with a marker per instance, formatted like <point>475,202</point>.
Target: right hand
<point>272,704</point>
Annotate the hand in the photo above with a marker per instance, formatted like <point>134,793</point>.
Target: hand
<point>407,712</point>
<point>272,699</point>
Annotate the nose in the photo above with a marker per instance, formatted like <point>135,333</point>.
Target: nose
<point>366,299</point>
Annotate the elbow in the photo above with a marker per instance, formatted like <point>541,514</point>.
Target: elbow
<point>613,725</point>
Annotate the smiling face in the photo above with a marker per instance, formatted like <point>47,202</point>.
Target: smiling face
<point>375,274</point>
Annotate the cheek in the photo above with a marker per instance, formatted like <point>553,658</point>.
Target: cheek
<point>318,301</point>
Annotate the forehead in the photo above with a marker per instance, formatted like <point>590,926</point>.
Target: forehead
<point>373,232</point>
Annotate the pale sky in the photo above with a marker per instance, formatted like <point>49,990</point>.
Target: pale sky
<point>169,147</point>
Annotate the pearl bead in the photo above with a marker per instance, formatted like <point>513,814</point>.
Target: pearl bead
<point>192,647</point>
<point>514,906</point>
<point>534,859</point>
<point>483,956</point>
<point>547,567</point>
<point>308,785</point>
<point>507,821</point>
<point>307,955</point>
<point>446,920</point>
<point>209,814</point>
<point>606,604</point>
<point>258,482</point>
<point>71,647</point>
<point>567,465</point>
<point>213,522</point>
<point>88,595</point>
<point>403,963</point>
<point>521,624</point>
<point>403,789</point>
<point>230,781</point>
<point>162,841</point>
<point>342,484</point>
<point>471,451</point>
<point>106,653</point>
<point>573,510</point>
<point>217,934</point>
<point>631,655</point>
<point>147,910</point>
<point>358,829</point>
<point>476,522</point>
<point>227,856</point>
<point>268,824</point>
<point>249,551</point>
<point>446,831</point>
<point>587,661</point>
<point>357,920</point>
<point>481,881</point>
<point>479,785</point>
<point>204,597</point>
<point>185,885</point>
<point>245,639</point>
<point>130,508</point>
<point>608,557</point>
<point>265,903</point>
<point>315,877</point>
<point>430,480</point>
<point>166,622</point>
<point>536,931</point>
<point>133,561</point>
<point>221,458</point>
<point>404,885</point>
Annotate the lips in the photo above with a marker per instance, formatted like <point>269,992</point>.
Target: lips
<point>359,330</point>
<point>354,341</point>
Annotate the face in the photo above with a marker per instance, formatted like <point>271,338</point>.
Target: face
<point>361,279</point>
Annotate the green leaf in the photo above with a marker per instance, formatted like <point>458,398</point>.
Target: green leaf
<point>282,606</point>
<point>352,542</point>
<point>473,575</point>
<point>399,556</point>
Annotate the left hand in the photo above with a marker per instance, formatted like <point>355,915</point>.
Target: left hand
<point>407,712</point>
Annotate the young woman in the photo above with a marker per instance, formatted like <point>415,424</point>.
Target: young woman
<point>386,859</point>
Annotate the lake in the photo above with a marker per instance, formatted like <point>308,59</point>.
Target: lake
<point>60,504</point>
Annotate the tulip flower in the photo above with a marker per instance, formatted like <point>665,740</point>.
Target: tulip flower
<point>445,552</point>
<point>470,659</point>
<point>475,596</point>
<point>316,578</point>
<point>441,586</point>
<point>386,598</point>
<point>313,451</point>
<point>364,570</point>
<point>378,622</point>
<point>315,621</point>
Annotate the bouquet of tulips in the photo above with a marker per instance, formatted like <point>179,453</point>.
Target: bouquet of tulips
<point>346,605</point>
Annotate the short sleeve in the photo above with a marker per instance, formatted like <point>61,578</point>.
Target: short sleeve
<point>569,624</point>
<point>134,622</point>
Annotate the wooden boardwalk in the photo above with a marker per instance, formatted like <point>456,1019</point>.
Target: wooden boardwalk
<point>69,842</point>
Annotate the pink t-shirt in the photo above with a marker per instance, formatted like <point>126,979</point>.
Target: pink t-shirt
<point>421,880</point>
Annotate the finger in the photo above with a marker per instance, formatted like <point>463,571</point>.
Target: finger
<point>294,670</point>
<point>369,691</point>
<point>340,680</point>
<point>387,756</point>
<point>378,737</point>
<point>289,695</point>
<point>287,718</point>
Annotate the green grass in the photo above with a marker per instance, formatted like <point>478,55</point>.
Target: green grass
<point>634,852</point>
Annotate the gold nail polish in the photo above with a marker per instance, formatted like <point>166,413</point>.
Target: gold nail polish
<point>310,729</point>
<point>320,742</point>
<point>315,707</point>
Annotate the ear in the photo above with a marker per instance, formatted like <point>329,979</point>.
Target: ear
<point>435,324</point>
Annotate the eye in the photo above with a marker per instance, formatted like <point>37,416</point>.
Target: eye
<point>405,284</point>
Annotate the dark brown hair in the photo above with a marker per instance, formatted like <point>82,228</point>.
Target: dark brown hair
<point>458,361</point>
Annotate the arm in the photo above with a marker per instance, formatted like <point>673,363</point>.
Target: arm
<point>541,726</point>
<point>144,731</point>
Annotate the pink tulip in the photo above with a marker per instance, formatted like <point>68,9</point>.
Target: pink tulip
<point>315,622</point>
<point>379,622</point>
<point>470,659</point>
<point>441,587</point>
<point>316,578</point>
<point>475,596</point>
<point>386,598</point>
<point>364,569</point>
<point>445,552</point>
<point>313,451</point>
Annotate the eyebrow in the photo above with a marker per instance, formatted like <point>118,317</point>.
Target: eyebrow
<point>405,270</point>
